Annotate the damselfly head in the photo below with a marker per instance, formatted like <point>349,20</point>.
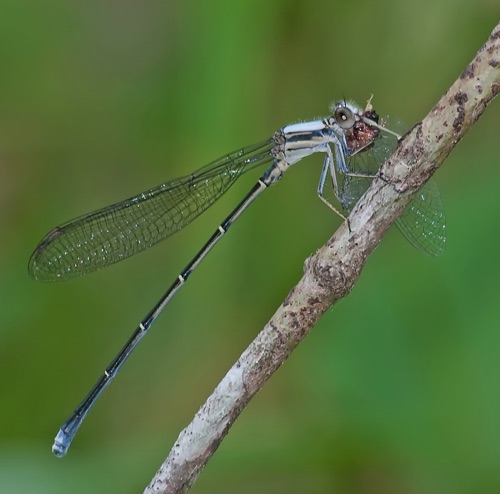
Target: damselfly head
<point>360,127</point>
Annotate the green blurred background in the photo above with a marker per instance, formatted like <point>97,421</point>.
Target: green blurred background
<point>397,388</point>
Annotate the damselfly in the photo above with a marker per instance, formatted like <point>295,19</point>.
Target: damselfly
<point>353,141</point>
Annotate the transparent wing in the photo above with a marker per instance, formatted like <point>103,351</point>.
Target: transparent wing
<point>423,222</point>
<point>108,235</point>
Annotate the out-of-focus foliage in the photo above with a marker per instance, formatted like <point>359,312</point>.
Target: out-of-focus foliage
<point>396,390</point>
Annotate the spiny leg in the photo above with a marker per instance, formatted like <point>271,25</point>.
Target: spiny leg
<point>328,165</point>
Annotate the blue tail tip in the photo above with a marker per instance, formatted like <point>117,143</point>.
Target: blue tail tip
<point>61,444</point>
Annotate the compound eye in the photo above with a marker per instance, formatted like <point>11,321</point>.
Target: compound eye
<point>344,117</point>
